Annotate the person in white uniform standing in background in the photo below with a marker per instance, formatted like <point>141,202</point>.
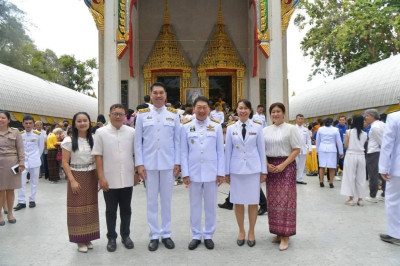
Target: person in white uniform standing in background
<point>203,170</point>
<point>217,114</point>
<point>305,147</point>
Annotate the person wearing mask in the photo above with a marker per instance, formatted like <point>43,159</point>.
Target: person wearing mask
<point>203,170</point>
<point>245,168</point>
<point>282,145</point>
<point>12,163</point>
<point>328,144</point>
<point>80,169</point>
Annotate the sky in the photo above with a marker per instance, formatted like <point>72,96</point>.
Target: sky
<point>67,27</point>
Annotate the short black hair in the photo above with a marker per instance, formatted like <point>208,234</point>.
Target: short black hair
<point>201,99</point>
<point>7,114</point>
<point>158,84</point>
<point>299,115</point>
<point>260,105</point>
<point>101,118</point>
<point>117,105</point>
<point>27,118</point>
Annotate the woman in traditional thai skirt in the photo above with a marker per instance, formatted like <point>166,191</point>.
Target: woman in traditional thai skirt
<point>79,166</point>
<point>282,145</point>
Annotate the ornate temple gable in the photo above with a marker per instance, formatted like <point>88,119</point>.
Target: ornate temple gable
<point>220,52</point>
<point>166,53</point>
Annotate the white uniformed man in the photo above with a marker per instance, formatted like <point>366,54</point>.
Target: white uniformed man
<point>305,146</point>
<point>33,146</point>
<point>203,170</point>
<point>389,168</point>
<point>157,157</point>
<point>259,115</point>
<point>217,114</point>
<point>43,134</point>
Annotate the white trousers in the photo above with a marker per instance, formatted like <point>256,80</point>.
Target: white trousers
<point>34,175</point>
<point>353,180</point>
<point>392,203</point>
<point>300,164</point>
<point>159,182</point>
<point>199,192</point>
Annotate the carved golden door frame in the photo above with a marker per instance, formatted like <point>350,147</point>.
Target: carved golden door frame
<point>237,82</point>
<point>151,76</point>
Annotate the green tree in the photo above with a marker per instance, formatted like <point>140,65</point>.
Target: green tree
<point>346,35</point>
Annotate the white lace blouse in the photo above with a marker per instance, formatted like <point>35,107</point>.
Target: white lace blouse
<point>81,159</point>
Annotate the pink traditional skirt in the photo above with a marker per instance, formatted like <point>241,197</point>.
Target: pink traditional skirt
<point>281,199</point>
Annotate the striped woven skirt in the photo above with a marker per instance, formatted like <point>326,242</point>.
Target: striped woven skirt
<point>82,208</point>
<point>281,199</point>
<point>53,165</point>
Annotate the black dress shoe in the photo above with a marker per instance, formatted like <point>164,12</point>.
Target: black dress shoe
<point>331,185</point>
<point>240,242</point>
<point>251,243</point>
<point>32,204</point>
<point>301,182</point>
<point>128,243</point>
<point>19,206</point>
<point>262,210</point>
<point>226,205</point>
<point>209,243</point>
<point>194,244</point>
<point>112,245</point>
<point>321,184</point>
<point>153,245</point>
<point>168,243</point>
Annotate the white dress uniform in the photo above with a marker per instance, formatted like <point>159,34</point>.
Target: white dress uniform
<point>157,148</point>
<point>33,146</point>
<point>305,147</point>
<point>245,161</point>
<point>202,160</point>
<point>261,118</point>
<point>328,143</point>
<point>218,115</point>
<point>389,163</point>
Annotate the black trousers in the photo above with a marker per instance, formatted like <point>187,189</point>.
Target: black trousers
<point>372,162</point>
<point>262,203</point>
<point>113,198</point>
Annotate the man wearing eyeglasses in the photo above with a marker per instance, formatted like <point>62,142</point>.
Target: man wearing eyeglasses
<point>157,157</point>
<point>113,151</point>
<point>389,168</point>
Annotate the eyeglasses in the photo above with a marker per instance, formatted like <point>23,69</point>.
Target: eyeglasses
<point>118,114</point>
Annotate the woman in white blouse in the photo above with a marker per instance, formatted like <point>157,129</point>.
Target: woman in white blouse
<point>353,181</point>
<point>328,143</point>
<point>282,145</point>
<point>245,168</point>
<point>79,166</point>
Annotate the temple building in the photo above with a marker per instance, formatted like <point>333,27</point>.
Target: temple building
<point>217,48</point>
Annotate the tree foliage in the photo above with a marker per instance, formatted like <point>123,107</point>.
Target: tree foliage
<point>17,50</point>
<point>346,35</point>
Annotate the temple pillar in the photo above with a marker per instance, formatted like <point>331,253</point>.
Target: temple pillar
<point>111,75</point>
<point>100,92</point>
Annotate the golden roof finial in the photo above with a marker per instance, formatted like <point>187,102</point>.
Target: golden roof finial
<point>220,21</point>
<point>166,14</point>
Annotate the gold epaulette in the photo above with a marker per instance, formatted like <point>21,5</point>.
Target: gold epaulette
<point>172,110</point>
<point>21,132</point>
<point>230,123</point>
<point>190,120</point>
<point>144,110</point>
<point>258,122</point>
<point>215,120</point>
<point>36,132</point>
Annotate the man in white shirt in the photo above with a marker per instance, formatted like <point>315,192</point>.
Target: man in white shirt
<point>113,151</point>
<point>306,147</point>
<point>373,151</point>
<point>389,168</point>
<point>259,115</point>
<point>43,134</point>
<point>157,157</point>
<point>217,114</point>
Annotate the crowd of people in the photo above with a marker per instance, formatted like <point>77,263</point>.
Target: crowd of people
<point>158,143</point>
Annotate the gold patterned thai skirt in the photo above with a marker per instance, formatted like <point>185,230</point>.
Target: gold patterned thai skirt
<point>82,208</point>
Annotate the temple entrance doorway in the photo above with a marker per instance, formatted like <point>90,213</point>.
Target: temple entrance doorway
<point>220,87</point>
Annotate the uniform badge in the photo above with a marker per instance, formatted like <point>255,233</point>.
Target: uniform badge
<point>169,119</point>
<point>234,133</point>
<point>252,133</point>
<point>192,141</point>
<point>210,128</point>
<point>237,146</point>
<point>149,117</point>
<point>192,129</point>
